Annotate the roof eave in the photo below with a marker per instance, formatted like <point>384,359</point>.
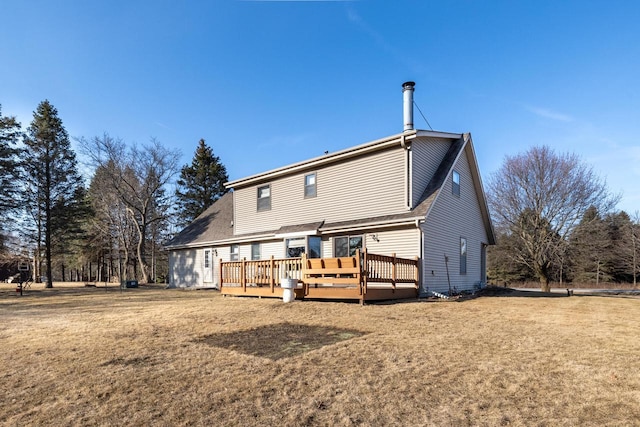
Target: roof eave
<point>358,150</point>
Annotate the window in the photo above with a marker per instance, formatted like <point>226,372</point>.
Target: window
<point>312,246</point>
<point>455,181</point>
<point>315,247</point>
<point>255,251</point>
<point>264,198</point>
<point>235,252</point>
<point>295,247</point>
<point>310,185</point>
<point>346,245</point>
<point>207,258</point>
<point>463,255</point>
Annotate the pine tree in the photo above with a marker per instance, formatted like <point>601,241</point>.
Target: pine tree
<point>589,248</point>
<point>201,183</point>
<point>9,170</point>
<point>51,177</point>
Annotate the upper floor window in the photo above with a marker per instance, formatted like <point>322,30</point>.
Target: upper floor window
<point>455,181</point>
<point>264,198</point>
<point>235,253</point>
<point>255,251</point>
<point>346,245</point>
<point>463,255</point>
<point>310,185</point>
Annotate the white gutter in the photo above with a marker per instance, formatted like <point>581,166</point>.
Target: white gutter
<point>372,225</point>
<point>257,237</point>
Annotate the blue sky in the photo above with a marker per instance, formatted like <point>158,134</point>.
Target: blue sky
<point>268,83</point>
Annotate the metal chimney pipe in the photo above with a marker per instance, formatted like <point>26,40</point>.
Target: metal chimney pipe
<point>407,96</point>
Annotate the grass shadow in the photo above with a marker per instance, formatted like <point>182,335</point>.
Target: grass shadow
<point>496,291</point>
<point>281,340</point>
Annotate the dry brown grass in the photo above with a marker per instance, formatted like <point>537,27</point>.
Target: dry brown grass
<point>75,356</point>
<point>574,285</point>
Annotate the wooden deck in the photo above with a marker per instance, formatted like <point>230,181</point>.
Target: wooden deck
<point>363,277</point>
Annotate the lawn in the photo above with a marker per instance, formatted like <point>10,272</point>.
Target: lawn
<point>90,356</point>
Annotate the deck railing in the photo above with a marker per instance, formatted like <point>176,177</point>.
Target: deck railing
<point>356,271</point>
<point>391,269</point>
<point>260,273</point>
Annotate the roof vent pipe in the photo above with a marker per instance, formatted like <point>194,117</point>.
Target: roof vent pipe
<point>407,96</point>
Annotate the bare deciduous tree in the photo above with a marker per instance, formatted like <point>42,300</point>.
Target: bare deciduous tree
<point>540,196</point>
<point>139,177</point>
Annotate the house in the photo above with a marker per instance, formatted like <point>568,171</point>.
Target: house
<point>414,194</point>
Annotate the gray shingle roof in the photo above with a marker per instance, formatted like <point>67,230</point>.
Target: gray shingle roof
<point>213,224</point>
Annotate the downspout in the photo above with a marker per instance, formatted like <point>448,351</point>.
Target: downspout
<point>423,287</point>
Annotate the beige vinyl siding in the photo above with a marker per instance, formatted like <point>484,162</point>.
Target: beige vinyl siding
<point>268,248</point>
<point>361,187</point>
<point>185,268</point>
<point>426,154</point>
<point>327,247</point>
<point>450,219</point>
<point>405,243</point>
<point>273,248</point>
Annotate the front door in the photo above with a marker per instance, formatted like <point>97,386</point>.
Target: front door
<point>207,267</point>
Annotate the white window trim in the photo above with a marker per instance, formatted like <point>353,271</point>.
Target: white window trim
<point>314,185</point>
<point>455,186</point>
<point>259,246</point>
<point>464,256</point>
<point>348,237</point>
<point>234,256</point>
<point>258,199</point>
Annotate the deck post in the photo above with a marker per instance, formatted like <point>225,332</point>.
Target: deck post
<point>272,279</point>
<point>364,271</point>
<point>416,274</point>
<point>393,272</point>
<point>243,275</point>
<point>221,276</point>
<point>362,279</point>
<point>303,275</point>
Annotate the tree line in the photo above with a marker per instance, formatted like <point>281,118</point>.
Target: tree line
<point>556,221</point>
<point>108,226</point>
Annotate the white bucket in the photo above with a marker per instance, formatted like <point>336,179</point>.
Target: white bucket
<point>288,285</point>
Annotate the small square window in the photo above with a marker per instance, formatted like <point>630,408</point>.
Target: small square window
<point>455,180</point>
<point>310,185</point>
<point>347,245</point>
<point>235,252</point>
<point>264,198</point>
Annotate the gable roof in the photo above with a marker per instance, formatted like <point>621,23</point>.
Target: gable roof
<point>215,225</point>
<point>463,144</point>
<point>435,186</point>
